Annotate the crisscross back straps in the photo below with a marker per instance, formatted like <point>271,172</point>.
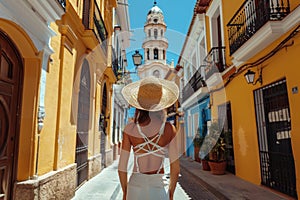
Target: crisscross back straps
<point>154,150</point>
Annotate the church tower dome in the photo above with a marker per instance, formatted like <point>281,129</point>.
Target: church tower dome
<point>155,10</point>
<point>155,17</point>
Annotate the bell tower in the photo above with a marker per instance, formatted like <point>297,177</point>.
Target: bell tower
<point>155,45</point>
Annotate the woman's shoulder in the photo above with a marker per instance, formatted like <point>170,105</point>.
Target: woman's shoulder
<point>170,129</point>
<point>169,125</point>
<point>129,127</point>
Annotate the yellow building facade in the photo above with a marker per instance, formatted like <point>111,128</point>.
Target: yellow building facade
<point>55,95</point>
<point>260,38</point>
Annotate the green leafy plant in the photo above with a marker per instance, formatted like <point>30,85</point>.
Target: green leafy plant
<point>198,140</point>
<point>214,145</point>
<point>218,151</point>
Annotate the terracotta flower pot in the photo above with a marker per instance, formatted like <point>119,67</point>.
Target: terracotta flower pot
<point>217,168</point>
<point>205,165</point>
<point>196,154</point>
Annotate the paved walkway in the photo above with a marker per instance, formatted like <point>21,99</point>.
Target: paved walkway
<point>106,185</point>
<point>228,186</point>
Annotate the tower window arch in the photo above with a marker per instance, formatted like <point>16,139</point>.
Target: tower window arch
<point>148,54</point>
<point>162,32</point>
<point>149,32</point>
<point>156,73</point>
<point>155,33</point>
<point>155,54</point>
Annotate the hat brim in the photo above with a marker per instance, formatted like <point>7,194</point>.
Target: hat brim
<point>170,93</point>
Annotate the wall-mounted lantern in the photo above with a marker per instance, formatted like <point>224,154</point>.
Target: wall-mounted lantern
<point>250,75</point>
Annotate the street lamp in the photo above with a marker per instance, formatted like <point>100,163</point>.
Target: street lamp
<point>137,61</point>
<point>137,58</point>
<point>250,75</point>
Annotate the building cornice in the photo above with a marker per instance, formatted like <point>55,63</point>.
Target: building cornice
<point>34,17</point>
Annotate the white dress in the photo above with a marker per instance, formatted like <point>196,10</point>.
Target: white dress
<point>148,186</point>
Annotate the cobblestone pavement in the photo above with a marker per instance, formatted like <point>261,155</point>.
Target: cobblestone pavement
<point>194,188</point>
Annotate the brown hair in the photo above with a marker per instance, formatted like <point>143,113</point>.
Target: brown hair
<point>141,116</point>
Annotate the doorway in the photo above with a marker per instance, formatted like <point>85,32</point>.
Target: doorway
<point>274,127</point>
<point>11,77</point>
<point>225,119</point>
<point>102,126</point>
<point>83,124</point>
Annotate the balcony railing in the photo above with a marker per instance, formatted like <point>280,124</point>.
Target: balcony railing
<point>99,28</point>
<point>251,16</point>
<point>99,25</point>
<point>215,60</point>
<point>62,3</point>
<point>156,38</point>
<point>115,62</point>
<point>194,84</point>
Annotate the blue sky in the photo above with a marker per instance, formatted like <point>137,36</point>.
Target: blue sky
<point>177,15</point>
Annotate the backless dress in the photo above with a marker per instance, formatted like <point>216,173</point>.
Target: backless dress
<point>148,186</point>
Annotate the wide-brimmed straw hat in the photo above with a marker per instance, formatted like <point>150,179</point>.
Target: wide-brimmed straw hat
<point>151,93</point>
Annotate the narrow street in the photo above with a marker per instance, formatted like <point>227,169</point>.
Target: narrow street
<point>193,184</point>
<point>83,80</point>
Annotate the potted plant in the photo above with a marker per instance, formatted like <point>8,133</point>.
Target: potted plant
<point>204,162</point>
<point>204,156</point>
<point>197,142</point>
<point>215,148</point>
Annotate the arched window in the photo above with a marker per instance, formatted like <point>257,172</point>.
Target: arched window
<point>156,73</point>
<point>162,33</point>
<point>155,54</point>
<point>149,32</point>
<point>148,54</point>
<point>155,33</point>
<point>83,122</point>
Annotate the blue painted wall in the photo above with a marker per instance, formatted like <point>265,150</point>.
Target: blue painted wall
<point>204,114</point>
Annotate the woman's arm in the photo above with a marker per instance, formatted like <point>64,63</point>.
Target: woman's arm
<point>174,162</point>
<point>123,162</point>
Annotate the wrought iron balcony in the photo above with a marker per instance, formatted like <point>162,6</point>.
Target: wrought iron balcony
<point>99,27</point>
<point>62,3</point>
<point>215,60</point>
<point>194,84</point>
<point>251,16</point>
<point>115,62</point>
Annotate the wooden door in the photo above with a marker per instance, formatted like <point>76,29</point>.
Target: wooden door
<point>10,79</point>
<point>102,126</point>
<point>83,118</point>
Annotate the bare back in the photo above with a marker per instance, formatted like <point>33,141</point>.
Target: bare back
<point>150,145</point>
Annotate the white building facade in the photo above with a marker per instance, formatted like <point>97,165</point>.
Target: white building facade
<point>120,43</point>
